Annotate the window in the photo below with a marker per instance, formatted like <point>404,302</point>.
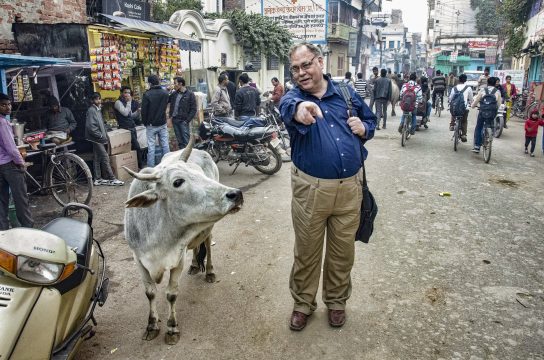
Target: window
<point>272,63</point>
<point>223,59</point>
<point>391,44</point>
<point>398,44</point>
<point>340,67</point>
<point>333,12</point>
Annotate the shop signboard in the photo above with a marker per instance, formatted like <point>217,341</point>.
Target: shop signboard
<point>490,55</point>
<point>453,56</point>
<point>517,76</point>
<point>481,45</point>
<point>306,20</point>
<point>352,44</point>
<point>132,9</point>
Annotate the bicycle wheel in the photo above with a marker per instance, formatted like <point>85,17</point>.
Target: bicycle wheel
<point>487,141</point>
<point>456,135</point>
<point>440,107</point>
<point>404,134</point>
<point>69,179</point>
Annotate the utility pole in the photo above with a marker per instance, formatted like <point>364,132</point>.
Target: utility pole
<point>357,59</point>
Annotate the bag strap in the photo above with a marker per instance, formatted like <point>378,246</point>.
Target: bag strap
<point>345,94</point>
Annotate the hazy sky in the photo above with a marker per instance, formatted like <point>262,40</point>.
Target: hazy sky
<point>414,13</point>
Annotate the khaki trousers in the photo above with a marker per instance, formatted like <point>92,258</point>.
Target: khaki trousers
<point>319,206</point>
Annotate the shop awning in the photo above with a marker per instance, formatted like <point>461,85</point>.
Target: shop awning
<point>185,41</point>
<point>13,61</point>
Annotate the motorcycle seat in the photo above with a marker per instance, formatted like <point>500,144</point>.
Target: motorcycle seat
<point>76,234</point>
<point>244,133</point>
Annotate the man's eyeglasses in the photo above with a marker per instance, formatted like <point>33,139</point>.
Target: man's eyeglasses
<point>304,66</point>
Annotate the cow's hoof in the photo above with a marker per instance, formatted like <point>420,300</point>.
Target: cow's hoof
<point>194,270</point>
<point>210,278</point>
<point>172,338</point>
<point>151,334</point>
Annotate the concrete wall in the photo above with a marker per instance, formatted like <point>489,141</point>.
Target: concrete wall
<point>37,11</point>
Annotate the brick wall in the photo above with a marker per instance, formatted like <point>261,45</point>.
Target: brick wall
<point>37,11</point>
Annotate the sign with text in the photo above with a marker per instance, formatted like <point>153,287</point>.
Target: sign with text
<point>490,55</point>
<point>306,20</point>
<point>352,45</point>
<point>453,56</point>
<point>517,77</point>
<point>481,45</point>
<point>132,9</point>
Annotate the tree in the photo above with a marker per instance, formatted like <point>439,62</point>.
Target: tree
<point>516,13</point>
<point>490,19</point>
<point>258,33</point>
<point>162,10</point>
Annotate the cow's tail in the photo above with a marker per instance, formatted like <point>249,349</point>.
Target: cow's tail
<point>201,256</point>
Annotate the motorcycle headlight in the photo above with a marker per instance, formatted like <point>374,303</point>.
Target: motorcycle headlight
<point>35,270</point>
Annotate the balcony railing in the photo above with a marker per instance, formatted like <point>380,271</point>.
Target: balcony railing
<point>339,31</point>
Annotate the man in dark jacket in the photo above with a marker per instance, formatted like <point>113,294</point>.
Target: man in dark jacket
<point>382,94</point>
<point>231,87</point>
<point>60,118</point>
<point>127,113</point>
<point>438,86</point>
<point>182,110</point>
<point>247,99</point>
<point>154,104</point>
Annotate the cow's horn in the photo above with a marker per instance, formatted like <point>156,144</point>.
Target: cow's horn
<point>187,151</point>
<point>154,176</point>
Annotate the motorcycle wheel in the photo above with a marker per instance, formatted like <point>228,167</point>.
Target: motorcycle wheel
<point>275,162</point>
<point>499,125</point>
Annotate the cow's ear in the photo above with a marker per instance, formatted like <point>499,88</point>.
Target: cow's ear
<point>145,199</point>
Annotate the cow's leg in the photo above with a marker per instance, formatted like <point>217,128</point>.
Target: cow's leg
<point>150,291</point>
<point>173,334</point>
<point>194,268</point>
<point>393,108</point>
<point>210,276</point>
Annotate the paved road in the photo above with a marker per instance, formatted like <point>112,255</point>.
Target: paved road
<point>457,277</point>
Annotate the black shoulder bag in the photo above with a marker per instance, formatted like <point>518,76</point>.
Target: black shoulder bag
<point>369,208</point>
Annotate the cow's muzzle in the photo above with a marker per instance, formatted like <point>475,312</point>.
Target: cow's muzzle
<point>237,199</point>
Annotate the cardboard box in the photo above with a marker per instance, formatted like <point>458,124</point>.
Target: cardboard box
<point>119,141</point>
<point>142,136</point>
<point>129,159</point>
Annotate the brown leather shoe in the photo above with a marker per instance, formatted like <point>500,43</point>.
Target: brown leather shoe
<point>337,318</point>
<point>298,321</point>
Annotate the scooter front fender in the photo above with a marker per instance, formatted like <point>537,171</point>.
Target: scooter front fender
<point>28,317</point>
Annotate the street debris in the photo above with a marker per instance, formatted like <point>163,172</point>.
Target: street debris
<point>445,194</point>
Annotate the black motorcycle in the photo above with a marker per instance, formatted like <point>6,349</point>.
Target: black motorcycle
<point>252,141</point>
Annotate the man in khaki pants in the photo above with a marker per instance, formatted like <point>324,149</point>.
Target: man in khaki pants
<point>327,157</point>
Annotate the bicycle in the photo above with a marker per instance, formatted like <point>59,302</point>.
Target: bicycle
<point>439,105</point>
<point>406,127</point>
<point>499,121</point>
<point>64,175</point>
<point>457,130</point>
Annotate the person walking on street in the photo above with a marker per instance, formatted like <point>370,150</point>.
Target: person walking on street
<point>231,87</point>
<point>466,92</point>
<point>220,101</point>
<point>327,152</point>
<point>482,80</point>
<point>154,103</point>
<point>95,132</point>
<point>490,89</point>
<point>510,92</point>
<point>127,114</point>
<point>12,172</point>
<point>531,131</point>
<point>438,87</point>
<point>451,83</point>
<point>382,94</point>
<point>182,110</point>
<point>348,80</point>
<point>360,86</point>
<point>247,99</point>
<point>370,86</point>
<point>277,93</point>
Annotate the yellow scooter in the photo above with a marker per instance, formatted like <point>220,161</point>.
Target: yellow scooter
<point>50,283</point>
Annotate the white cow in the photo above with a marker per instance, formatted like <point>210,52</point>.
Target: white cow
<point>171,208</point>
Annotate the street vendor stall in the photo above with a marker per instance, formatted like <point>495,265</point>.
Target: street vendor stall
<point>126,51</point>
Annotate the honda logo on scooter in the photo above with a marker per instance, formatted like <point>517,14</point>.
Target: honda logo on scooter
<point>37,248</point>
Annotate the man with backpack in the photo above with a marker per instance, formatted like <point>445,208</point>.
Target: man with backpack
<point>410,96</point>
<point>460,100</point>
<point>489,99</point>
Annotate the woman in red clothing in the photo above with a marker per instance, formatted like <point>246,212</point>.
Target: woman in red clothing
<point>531,130</point>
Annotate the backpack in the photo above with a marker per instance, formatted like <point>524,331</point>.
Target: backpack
<point>488,105</point>
<point>409,98</point>
<point>457,104</point>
